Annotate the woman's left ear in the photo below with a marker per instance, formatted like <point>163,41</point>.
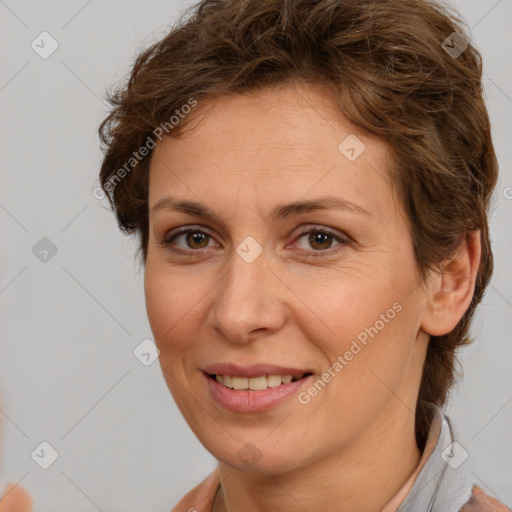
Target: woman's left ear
<point>452,289</point>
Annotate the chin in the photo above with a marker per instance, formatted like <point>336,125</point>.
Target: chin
<point>257,456</point>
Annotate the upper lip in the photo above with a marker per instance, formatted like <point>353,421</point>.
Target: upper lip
<point>253,370</point>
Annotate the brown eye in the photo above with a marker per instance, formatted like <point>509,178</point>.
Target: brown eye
<point>187,241</point>
<point>196,237</point>
<point>320,240</point>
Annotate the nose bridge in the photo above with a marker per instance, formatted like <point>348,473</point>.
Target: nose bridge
<point>244,302</point>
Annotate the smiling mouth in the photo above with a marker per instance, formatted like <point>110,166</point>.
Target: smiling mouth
<point>259,383</point>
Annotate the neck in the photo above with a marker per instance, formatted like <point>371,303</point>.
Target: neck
<point>363,475</point>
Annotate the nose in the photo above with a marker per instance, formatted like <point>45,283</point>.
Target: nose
<point>249,300</point>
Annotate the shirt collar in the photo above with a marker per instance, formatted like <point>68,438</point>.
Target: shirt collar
<point>444,482</point>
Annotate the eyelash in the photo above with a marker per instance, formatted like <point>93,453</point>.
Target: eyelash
<point>167,243</point>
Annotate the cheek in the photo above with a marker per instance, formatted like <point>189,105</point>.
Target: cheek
<point>369,324</point>
<point>340,310</point>
<point>169,306</point>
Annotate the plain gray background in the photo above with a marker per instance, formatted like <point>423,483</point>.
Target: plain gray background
<point>69,325</point>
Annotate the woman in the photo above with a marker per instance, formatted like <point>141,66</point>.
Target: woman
<point>310,183</point>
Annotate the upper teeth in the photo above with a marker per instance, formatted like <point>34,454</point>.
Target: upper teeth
<point>255,383</point>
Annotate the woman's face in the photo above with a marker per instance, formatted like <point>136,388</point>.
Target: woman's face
<point>257,288</point>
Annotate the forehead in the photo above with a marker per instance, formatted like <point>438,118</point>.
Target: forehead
<point>288,140</point>
<point>298,117</point>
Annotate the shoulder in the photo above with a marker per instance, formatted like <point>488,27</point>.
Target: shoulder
<point>479,501</point>
<point>200,498</point>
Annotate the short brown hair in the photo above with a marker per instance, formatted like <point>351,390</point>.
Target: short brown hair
<point>390,65</point>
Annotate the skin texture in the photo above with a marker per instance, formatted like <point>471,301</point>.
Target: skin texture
<point>481,502</point>
<point>15,499</point>
<point>246,155</point>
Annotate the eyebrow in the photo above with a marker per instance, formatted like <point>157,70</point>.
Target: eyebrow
<point>281,211</point>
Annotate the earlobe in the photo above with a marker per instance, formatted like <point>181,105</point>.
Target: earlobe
<point>452,289</point>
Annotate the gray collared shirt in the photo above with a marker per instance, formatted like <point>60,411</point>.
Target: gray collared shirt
<point>445,481</point>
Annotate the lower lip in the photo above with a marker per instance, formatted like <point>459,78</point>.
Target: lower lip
<point>253,401</point>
